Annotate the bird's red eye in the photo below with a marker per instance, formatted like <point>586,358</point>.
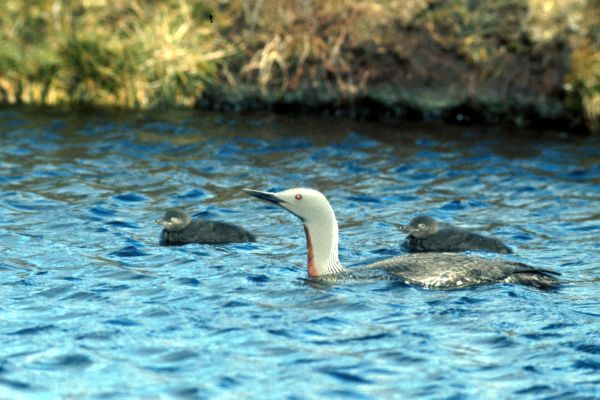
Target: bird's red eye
<point>298,196</point>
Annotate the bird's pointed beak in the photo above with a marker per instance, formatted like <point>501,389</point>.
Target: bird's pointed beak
<point>160,221</point>
<point>265,196</point>
<point>403,228</point>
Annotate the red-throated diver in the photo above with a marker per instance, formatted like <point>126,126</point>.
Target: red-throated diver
<point>427,234</point>
<point>432,270</point>
<point>179,229</point>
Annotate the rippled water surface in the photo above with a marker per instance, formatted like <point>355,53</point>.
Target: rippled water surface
<point>93,308</point>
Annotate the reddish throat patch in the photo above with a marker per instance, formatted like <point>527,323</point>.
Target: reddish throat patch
<point>312,269</point>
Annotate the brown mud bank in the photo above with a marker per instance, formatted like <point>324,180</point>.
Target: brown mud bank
<point>529,64</point>
<point>428,82</point>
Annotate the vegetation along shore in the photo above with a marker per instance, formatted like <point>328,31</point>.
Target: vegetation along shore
<point>531,63</point>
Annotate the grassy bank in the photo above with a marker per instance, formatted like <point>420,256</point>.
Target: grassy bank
<point>529,62</point>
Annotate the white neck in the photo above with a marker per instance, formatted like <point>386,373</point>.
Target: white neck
<point>322,245</point>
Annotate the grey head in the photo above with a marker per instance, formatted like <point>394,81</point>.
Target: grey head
<point>422,226</point>
<point>175,219</point>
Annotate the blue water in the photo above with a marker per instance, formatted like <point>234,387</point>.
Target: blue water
<point>93,308</point>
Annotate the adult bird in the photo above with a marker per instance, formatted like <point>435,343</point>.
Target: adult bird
<point>180,229</point>
<point>430,270</point>
<point>427,234</point>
